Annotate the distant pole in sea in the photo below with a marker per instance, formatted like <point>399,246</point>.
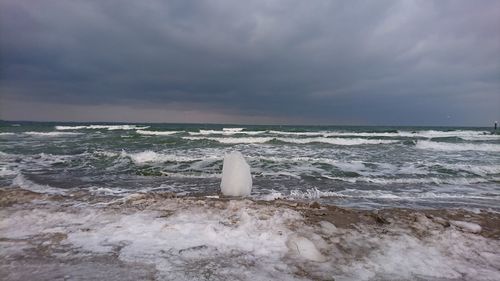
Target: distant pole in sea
<point>496,124</point>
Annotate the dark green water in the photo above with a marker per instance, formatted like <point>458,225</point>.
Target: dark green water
<point>366,167</point>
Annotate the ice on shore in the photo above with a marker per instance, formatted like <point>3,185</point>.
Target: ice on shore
<point>236,177</point>
<point>467,226</point>
<point>304,248</point>
<point>199,238</point>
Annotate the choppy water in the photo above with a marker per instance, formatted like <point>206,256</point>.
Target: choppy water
<point>366,167</point>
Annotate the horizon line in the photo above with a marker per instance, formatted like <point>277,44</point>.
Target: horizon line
<point>241,124</point>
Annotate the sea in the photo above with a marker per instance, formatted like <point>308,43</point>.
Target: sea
<point>352,166</point>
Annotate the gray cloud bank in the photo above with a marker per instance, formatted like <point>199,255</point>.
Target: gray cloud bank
<point>324,62</point>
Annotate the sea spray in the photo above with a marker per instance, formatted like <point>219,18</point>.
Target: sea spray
<point>236,177</point>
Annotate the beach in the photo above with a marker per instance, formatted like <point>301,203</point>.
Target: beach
<point>87,201</point>
<point>249,140</point>
<point>159,236</point>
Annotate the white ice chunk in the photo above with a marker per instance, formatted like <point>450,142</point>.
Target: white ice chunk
<point>328,227</point>
<point>467,226</point>
<point>236,177</point>
<point>304,248</point>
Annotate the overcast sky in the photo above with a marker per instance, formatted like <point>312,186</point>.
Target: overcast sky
<point>308,62</point>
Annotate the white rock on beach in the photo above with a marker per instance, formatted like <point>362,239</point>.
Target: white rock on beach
<point>236,177</point>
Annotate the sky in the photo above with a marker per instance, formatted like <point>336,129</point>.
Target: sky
<point>251,62</point>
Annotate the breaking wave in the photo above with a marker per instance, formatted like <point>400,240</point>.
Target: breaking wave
<point>149,156</point>
<point>429,134</point>
<point>22,182</point>
<point>108,127</point>
<point>232,129</point>
<point>314,193</point>
<point>156,133</point>
<point>52,134</point>
<point>225,132</point>
<point>233,140</point>
<point>427,180</point>
<point>297,133</point>
<point>487,147</point>
<point>335,141</point>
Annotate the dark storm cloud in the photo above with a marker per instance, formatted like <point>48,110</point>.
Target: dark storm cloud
<point>396,62</point>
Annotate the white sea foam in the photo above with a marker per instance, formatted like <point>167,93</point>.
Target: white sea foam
<point>433,180</point>
<point>335,141</point>
<point>225,132</point>
<point>373,169</point>
<point>297,133</point>
<point>230,140</point>
<point>5,171</point>
<point>108,127</point>
<point>150,156</point>
<point>486,147</point>
<point>7,134</point>
<point>464,134</point>
<point>156,133</point>
<point>482,170</point>
<point>109,191</point>
<point>52,134</point>
<point>232,129</point>
<point>314,193</point>
<point>281,173</point>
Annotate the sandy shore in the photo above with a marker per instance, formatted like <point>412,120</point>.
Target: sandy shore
<point>158,236</point>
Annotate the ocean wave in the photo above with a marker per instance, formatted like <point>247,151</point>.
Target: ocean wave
<point>482,170</point>
<point>225,132</point>
<point>156,133</point>
<point>52,134</point>
<point>426,180</point>
<point>23,183</point>
<point>314,193</point>
<point>5,171</point>
<point>486,147</point>
<point>233,140</point>
<point>108,127</point>
<point>374,171</point>
<point>7,134</point>
<point>192,175</point>
<point>232,129</point>
<point>150,156</point>
<point>467,135</point>
<point>297,133</point>
<point>335,141</point>
<point>463,134</point>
